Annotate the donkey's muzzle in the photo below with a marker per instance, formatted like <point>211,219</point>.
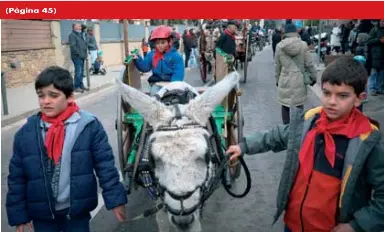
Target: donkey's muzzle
<point>183,222</point>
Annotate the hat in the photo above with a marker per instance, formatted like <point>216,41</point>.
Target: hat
<point>232,22</point>
<point>289,28</point>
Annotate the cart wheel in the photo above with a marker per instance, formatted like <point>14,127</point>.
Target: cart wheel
<point>235,170</point>
<point>124,133</point>
<point>247,54</point>
<point>203,69</point>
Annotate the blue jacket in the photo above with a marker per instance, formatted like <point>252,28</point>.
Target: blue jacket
<point>169,69</point>
<point>30,194</point>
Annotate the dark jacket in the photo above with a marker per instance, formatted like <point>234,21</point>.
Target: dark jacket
<point>227,44</point>
<point>194,42</point>
<point>376,47</point>
<point>187,42</point>
<point>361,48</point>
<point>276,38</point>
<point>363,170</point>
<point>78,46</point>
<point>30,194</point>
<point>91,42</point>
<point>304,35</point>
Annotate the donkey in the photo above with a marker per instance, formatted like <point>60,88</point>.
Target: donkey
<point>179,154</point>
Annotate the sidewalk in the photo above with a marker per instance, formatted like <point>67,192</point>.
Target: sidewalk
<point>374,108</point>
<point>22,101</point>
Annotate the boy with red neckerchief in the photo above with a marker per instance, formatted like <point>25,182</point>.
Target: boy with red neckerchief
<point>333,177</point>
<point>51,180</point>
<point>227,40</point>
<point>164,61</point>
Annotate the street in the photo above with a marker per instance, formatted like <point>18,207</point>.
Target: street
<point>222,212</point>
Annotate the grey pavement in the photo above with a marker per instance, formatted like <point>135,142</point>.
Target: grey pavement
<point>222,212</point>
<point>22,101</point>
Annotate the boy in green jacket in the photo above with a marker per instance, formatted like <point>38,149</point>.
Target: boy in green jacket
<point>333,177</point>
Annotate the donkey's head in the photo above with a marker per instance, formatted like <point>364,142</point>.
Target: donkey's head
<point>179,146</point>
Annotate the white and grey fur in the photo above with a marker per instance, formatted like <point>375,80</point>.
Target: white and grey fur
<point>179,155</point>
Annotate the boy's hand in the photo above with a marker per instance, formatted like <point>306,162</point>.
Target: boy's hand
<point>20,228</point>
<point>235,150</point>
<point>345,227</point>
<point>119,212</point>
<point>135,57</point>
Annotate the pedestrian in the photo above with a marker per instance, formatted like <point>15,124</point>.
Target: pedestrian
<point>345,30</point>
<point>335,39</point>
<point>187,45</point>
<point>333,177</point>
<point>276,38</point>
<point>78,48</point>
<point>304,35</point>
<point>361,47</point>
<point>144,47</point>
<point>208,46</point>
<point>227,40</point>
<point>293,63</point>
<point>92,45</point>
<point>376,47</point>
<point>194,53</point>
<point>352,39</point>
<point>51,181</point>
<point>165,62</point>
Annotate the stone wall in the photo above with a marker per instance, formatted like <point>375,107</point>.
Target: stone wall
<point>31,63</point>
<point>34,61</point>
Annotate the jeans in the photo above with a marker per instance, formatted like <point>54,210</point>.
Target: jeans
<point>285,114</point>
<point>62,224</point>
<point>376,81</point>
<point>286,229</point>
<point>79,73</point>
<point>187,55</point>
<point>196,62</point>
<point>93,56</point>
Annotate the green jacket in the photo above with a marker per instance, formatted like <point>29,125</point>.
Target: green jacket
<point>363,171</point>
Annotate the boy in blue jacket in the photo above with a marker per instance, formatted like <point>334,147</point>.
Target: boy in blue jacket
<point>51,180</point>
<point>164,61</point>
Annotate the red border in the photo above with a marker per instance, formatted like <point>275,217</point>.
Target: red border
<point>195,10</point>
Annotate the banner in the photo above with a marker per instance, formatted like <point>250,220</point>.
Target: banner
<point>191,9</point>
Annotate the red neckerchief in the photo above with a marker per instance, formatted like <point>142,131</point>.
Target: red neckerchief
<point>159,55</point>
<point>230,34</point>
<point>352,126</point>
<point>55,136</point>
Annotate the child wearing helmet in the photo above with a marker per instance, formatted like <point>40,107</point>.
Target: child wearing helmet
<point>164,61</point>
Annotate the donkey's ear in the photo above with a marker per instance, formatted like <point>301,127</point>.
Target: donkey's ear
<point>200,108</point>
<point>152,110</point>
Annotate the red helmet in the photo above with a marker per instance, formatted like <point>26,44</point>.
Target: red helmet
<point>161,32</point>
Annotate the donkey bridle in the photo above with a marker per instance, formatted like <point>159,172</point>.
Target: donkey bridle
<point>202,187</point>
<point>206,188</point>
